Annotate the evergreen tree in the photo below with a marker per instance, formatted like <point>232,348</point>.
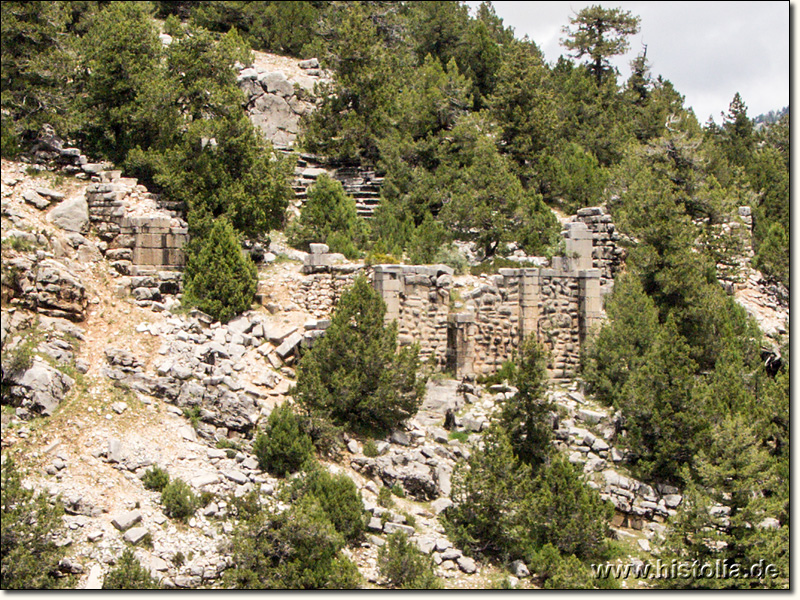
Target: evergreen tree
<point>37,64</point>
<point>281,447</point>
<point>665,426</point>
<point>220,279</point>
<point>526,416</point>
<point>298,548</point>
<point>493,495</point>
<point>30,525</point>
<point>525,107</point>
<point>567,513</point>
<point>355,374</point>
<point>600,33</point>
<point>121,52</point>
<point>329,216</point>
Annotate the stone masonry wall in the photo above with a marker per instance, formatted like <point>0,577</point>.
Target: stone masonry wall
<point>560,306</point>
<point>140,239</point>
<point>418,297</point>
<point>607,254</point>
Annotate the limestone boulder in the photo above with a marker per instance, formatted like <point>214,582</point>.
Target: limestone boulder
<point>37,390</point>
<point>72,215</point>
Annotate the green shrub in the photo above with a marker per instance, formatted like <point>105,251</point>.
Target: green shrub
<point>29,525</point>
<point>461,436</point>
<point>385,497</point>
<point>179,500</point>
<point>220,279</point>
<point>370,449</point>
<point>156,479</point>
<point>341,501</point>
<point>402,563</point>
<point>398,490</point>
<point>129,574</point>
<point>9,140</point>
<point>282,448</point>
<point>451,256</point>
<point>296,549</point>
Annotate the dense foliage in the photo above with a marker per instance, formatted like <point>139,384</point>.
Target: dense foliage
<point>328,217</point>
<point>129,574</point>
<point>30,526</point>
<point>220,279</point>
<point>355,374</point>
<point>517,497</point>
<point>405,566</point>
<point>281,447</point>
<point>296,549</point>
<point>179,500</point>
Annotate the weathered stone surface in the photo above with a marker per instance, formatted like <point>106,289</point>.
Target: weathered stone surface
<point>125,521</point>
<point>39,389</point>
<point>519,569</point>
<point>31,197</point>
<point>72,215</point>
<point>441,504</point>
<point>392,527</point>
<point>466,564</point>
<point>135,535</point>
<point>50,287</point>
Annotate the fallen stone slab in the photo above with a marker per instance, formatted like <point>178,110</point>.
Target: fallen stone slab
<point>34,199</point>
<point>392,527</point>
<point>126,520</point>
<point>288,346</point>
<point>135,535</point>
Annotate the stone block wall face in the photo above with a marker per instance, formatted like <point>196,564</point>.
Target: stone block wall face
<point>607,253</point>
<point>418,298</point>
<point>558,306</point>
<point>142,240</point>
<point>321,291</point>
<point>494,329</point>
<point>558,326</point>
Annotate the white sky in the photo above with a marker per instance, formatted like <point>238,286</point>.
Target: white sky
<point>708,50</point>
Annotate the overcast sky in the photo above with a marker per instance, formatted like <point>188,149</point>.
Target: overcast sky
<point>708,50</point>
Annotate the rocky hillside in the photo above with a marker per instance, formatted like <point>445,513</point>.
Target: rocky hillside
<point>101,384</point>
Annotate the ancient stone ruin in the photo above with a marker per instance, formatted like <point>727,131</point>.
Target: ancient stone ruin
<point>559,305</point>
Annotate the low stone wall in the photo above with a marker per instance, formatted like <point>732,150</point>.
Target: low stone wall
<point>320,292</point>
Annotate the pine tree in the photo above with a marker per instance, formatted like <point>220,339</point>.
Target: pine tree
<point>329,217</point>
<point>220,279</point>
<point>567,513</point>
<point>30,524</point>
<point>355,374</point>
<point>282,448</point>
<point>600,33</point>
<point>526,416</point>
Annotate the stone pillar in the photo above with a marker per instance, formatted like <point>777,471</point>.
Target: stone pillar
<point>591,303</point>
<point>579,245</point>
<point>529,302</point>
<point>387,282</point>
<point>460,349</point>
